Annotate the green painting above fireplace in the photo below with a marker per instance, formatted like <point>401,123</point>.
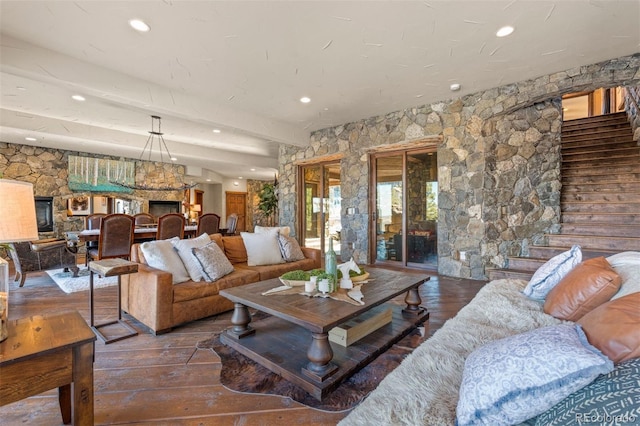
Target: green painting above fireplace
<point>100,174</point>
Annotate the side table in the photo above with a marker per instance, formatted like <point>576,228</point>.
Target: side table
<point>45,352</point>
<point>111,268</point>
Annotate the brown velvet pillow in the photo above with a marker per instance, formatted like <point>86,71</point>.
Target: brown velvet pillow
<point>614,328</point>
<point>217,238</point>
<point>234,249</point>
<point>588,285</point>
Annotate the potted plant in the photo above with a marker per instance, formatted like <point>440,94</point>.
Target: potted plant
<point>268,201</point>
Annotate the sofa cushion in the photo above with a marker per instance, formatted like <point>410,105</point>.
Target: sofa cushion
<point>513,379</point>
<point>234,249</point>
<point>213,262</point>
<point>184,247</point>
<point>160,254</point>
<point>283,230</point>
<point>549,275</point>
<point>585,287</point>
<point>289,248</point>
<point>217,238</point>
<point>274,271</point>
<point>609,399</point>
<point>627,265</point>
<point>191,290</point>
<point>614,328</point>
<point>262,249</point>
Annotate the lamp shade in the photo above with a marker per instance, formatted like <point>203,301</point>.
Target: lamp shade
<point>196,208</point>
<point>17,212</point>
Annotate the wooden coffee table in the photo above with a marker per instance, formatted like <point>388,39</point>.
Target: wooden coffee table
<point>294,341</point>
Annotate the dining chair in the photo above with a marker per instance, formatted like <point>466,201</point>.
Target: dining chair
<point>209,223</point>
<point>232,222</point>
<point>170,225</point>
<point>144,219</point>
<point>116,237</point>
<point>92,221</point>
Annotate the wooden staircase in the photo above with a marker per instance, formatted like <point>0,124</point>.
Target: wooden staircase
<point>600,198</point>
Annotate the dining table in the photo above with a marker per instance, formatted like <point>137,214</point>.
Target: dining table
<point>140,233</point>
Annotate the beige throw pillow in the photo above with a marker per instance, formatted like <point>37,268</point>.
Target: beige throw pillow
<point>284,230</point>
<point>160,254</point>
<point>184,247</point>
<point>214,263</point>
<point>262,249</point>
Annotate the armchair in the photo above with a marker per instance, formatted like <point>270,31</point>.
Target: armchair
<point>42,255</point>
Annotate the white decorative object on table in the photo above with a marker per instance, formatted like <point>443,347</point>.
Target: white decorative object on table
<point>351,265</point>
<point>309,287</point>
<point>323,286</point>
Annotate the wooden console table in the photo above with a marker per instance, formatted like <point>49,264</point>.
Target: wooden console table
<point>45,352</point>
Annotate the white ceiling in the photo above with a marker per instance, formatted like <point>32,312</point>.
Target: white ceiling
<point>242,66</point>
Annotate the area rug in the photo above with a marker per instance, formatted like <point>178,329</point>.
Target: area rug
<point>241,374</point>
<point>69,284</point>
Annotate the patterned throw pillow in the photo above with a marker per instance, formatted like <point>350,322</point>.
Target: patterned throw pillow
<point>550,274</point>
<point>612,399</point>
<point>214,263</point>
<point>513,379</point>
<point>290,249</point>
<point>184,247</point>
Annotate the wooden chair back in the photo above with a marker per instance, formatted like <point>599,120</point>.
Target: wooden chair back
<point>170,225</point>
<point>209,223</point>
<point>116,236</point>
<point>144,219</point>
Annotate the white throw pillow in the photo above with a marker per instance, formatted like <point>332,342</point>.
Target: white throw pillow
<point>184,249</point>
<point>284,230</point>
<point>550,274</point>
<point>160,254</point>
<point>262,249</point>
<point>215,264</point>
<point>627,265</point>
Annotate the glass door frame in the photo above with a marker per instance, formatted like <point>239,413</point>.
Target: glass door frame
<point>302,202</point>
<point>373,187</point>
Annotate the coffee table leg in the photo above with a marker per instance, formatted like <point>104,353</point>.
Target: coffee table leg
<point>413,302</point>
<point>320,355</point>
<point>240,320</point>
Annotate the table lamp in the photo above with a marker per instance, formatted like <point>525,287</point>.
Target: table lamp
<point>17,223</point>
<point>195,209</point>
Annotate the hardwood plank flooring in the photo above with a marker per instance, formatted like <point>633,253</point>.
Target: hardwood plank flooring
<point>166,380</point>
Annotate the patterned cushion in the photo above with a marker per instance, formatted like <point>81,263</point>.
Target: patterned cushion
<point>612,398</point>
<point>215,264</point>
<point>513,379</point>
<point>290,249</point>
<point>184,247</point>
<point>550,274</point>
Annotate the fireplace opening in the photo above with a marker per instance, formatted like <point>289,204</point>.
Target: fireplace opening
<point>44,213</point>
<point>159,208</point>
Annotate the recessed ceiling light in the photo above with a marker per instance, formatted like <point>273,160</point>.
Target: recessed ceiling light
<point>235,184</point>
<point>455,87</point>
<point>79,98</point>
<point>21,88</point>
<point>305,99</point>
<point>174,159</point>
<point>239,177</point>
<point>208,180</point>
<point>139,25</point>
<point>505,31</point>
<point>216,130</point>
<point>29,138</point>
<point>253,170</point>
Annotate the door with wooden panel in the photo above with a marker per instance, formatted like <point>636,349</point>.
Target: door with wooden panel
<point>236,202</point>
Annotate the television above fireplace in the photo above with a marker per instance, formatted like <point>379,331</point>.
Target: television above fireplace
<point>158,208</point>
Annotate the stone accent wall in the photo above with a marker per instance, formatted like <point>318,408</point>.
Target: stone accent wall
<point>632,107</point>
<point>47,170</point>
<point>498,165</point>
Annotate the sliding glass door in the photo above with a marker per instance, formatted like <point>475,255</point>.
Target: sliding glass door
<point>321,205</point>
<point>406,208</point>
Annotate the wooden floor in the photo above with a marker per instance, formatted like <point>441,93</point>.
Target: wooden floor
<point>166,380</point>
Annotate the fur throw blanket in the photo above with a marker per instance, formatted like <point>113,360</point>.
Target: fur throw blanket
<point>423,390</point>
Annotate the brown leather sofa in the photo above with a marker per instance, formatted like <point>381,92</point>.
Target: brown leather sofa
<point>152,299</point>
